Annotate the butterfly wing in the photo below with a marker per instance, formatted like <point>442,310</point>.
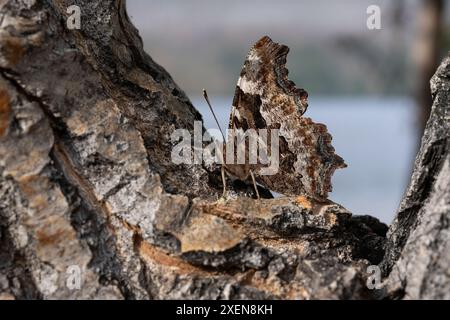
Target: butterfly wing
<point>266,99</point>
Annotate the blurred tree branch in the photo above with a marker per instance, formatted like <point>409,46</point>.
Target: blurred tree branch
<point>426,53</point>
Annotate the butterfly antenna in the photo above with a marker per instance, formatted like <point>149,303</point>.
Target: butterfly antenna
<point>205,95</point>
<point>222,169</point>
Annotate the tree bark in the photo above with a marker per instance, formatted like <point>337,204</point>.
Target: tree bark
<point>88,191</point>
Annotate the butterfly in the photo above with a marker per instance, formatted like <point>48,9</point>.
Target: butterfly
<point>266,99</point>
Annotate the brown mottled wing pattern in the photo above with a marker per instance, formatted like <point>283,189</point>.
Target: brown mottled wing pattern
<point>266,98</point>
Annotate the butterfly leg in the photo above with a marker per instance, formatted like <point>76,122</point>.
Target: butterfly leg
<point>254,184</point>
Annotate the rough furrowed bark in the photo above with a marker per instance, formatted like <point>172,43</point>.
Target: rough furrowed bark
<point>88,188</point>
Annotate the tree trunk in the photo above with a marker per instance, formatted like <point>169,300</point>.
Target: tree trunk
<point>91,205</point>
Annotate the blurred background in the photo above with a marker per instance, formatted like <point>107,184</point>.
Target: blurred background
<point>370,87</point>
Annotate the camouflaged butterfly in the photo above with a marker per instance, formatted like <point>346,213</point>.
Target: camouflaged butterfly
<point>266,99</point>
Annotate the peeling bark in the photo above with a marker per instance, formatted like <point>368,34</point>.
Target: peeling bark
<point>86,181</point>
